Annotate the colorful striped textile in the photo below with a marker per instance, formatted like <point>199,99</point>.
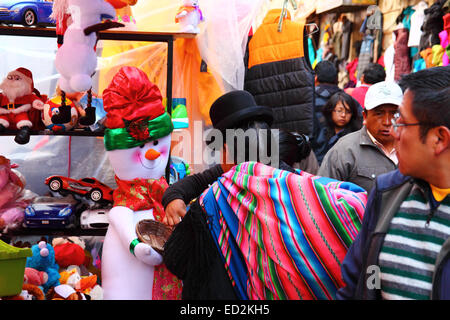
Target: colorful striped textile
<point>283,235</point>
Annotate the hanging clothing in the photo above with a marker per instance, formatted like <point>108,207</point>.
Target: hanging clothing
<point>346,39</point>
<point>401,58</point>
<point>365,55</point>
<point>443,35</point>
<point>279,76</point>
<point>417,19</point>
<point>438,53</point>
<point>389,63</point>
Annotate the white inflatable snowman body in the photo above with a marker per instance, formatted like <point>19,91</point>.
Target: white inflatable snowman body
<point>189,16</point>
<point>137,139</point>
<point>128,277</point>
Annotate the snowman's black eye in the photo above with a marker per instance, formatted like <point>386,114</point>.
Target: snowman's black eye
<point>155,143</point>
<point>141,146</point>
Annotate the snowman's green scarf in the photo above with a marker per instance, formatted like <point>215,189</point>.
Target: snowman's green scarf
<point>137,133</point>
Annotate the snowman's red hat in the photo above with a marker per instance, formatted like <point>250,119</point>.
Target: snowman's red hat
<point>134,110</point>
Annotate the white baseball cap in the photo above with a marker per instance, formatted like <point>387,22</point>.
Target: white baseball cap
<point>384,92</point>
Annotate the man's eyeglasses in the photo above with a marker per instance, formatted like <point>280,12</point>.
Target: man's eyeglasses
<point>396,125</point>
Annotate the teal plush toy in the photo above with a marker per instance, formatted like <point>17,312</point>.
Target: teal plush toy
<point>43,259</point>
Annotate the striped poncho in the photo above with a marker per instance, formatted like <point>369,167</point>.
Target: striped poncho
<point>282,235</point>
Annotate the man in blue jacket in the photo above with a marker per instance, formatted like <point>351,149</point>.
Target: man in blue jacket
<point>403,248</point>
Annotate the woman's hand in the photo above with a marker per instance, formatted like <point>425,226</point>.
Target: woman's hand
<point>175,211</point>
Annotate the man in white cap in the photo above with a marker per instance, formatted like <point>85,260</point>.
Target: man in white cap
<point>361,156</point>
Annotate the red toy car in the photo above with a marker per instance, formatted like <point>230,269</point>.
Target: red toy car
<point>89,187</point>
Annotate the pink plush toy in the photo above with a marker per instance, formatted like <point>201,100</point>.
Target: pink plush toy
<point>12,205</point>
<point>35,277</point>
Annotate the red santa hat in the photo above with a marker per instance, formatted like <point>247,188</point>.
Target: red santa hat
<point>27,76</point>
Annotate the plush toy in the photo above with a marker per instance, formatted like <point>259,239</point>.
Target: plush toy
<point>137,140</point>
<point>87,285</point>
<point>67,254</point>
<point>189,16</point>
<point>17,98</point>
<point>76,59</point>
<point>29,292</point>
<point>35,277</point>
<point>70,276</point>
<point>52,107</point>
<point>64,292</point>
<point>124,13</point>
<point>43,259</point>
<point>13,198</point>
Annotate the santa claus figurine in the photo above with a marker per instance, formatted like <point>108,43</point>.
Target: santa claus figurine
<point>17,98</point>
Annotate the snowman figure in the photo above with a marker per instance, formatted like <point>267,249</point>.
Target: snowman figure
<point>189,16</point>
<point>137,140</point>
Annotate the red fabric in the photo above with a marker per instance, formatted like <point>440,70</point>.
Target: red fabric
<point>144,194</point>
<point>351,68</point>
<point>141,194</point>
<point>359,93</point>
<point>131,96</point>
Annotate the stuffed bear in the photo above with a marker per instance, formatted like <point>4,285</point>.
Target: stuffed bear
<point>189,16</point>
<point>43,259</point>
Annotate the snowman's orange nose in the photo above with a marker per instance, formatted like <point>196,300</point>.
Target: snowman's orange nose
<point>152,154</point>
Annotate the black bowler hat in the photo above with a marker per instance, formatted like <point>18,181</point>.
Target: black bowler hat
<point>234,108</point>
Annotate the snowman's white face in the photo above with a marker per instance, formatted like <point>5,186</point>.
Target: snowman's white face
<point>148,161</point>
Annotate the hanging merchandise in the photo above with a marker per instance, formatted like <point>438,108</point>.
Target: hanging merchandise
<point>336,39</point>
<point>443,35</point>
<point>372,28</point>
<point>389,65</point>
<point>375,27</point>
<point>433,24</point>
<point>346,38</point>
<point>417,19</point>
<point>279,75</point>
<point>365,55</point>
<point>401,58</point>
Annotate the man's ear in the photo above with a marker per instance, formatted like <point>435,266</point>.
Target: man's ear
<point>441,140</point>
<point>364,113</point>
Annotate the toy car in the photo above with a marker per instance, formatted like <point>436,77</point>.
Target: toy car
<point>88,187</point>
<point>51,212</point>
<point>28,13</point>
<point>94,219</point>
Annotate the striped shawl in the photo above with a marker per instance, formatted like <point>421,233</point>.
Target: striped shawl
<point>282,235</point>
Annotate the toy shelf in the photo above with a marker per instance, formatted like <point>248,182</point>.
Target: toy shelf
<point>73,132</point>
<point>56,232</point>
<point>168,37</point>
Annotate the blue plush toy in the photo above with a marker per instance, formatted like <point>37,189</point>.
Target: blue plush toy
<point>43,259</point>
